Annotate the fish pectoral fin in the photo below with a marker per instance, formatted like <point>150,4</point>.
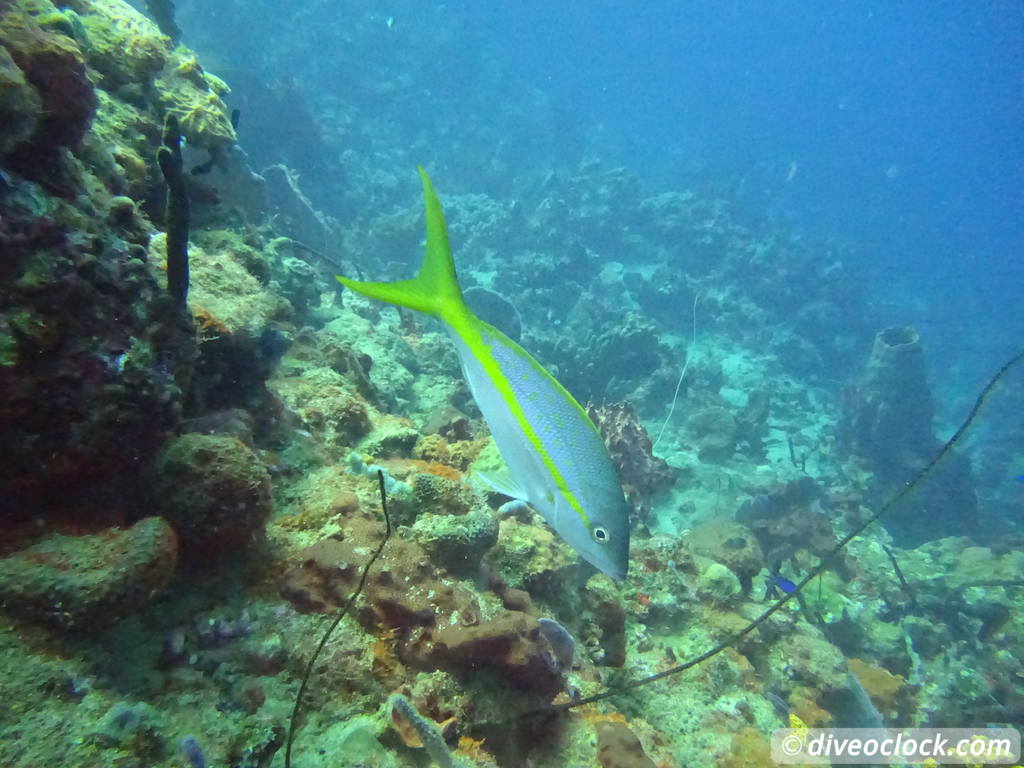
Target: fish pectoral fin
<point>514,508</point>
<point>503,482</point>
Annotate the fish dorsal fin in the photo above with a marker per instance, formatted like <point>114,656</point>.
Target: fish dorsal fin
<point>501,480</point>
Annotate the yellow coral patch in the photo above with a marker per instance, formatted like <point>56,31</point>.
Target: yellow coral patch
<point>881,685</point>
<point>385,659</point>
<point>208,324</point>
<point>804,705</point>
<point>473,749</point>
<point>750,749</point>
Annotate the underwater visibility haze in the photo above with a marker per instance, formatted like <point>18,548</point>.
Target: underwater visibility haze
<point>683,406</point>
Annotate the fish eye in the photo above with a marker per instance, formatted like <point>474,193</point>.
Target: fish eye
<point>601,535</point>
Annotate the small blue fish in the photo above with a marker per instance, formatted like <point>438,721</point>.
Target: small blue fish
<point>193,752</point>
<point>779,705</point>
<point>776,583</point>
<point>562,644</point>
<point>1019,478</point>
<point>785,585</point>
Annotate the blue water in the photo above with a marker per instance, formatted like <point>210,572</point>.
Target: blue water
<point>896,126</point>
<point>893,128</point>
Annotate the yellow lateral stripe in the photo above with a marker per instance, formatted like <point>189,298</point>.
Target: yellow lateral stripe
<point>467,326</point>
<point>435,291</point>
<point>558,386</point>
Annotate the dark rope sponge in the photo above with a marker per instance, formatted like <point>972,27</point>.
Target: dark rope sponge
<point>177,212</point>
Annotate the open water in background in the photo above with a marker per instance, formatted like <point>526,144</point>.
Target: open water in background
<point>894,127</point>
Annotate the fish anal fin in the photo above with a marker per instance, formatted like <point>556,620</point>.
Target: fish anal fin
<point>501,481</point>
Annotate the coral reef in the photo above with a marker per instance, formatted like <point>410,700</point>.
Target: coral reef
<point>255,422</point>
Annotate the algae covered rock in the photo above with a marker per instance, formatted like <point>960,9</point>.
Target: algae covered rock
<point>194,97</point>
<point>442,624</point>
<point>604,607</point>
<point>715,431</point>
<point>242,325</point>
<point>619,747</point>
<point>55,66</point>
<point>93,367</point>
<point>810,661</point>
<point>526,555</point>
<point>132,727</point>
<point>225,297</point>
<point>439,491</point>
<point>92,378</point>
<point>731,544</point>
<point>214,491</point>
<point>122,45</point>
<point>457,542</point>
<point>508,645</point>
<point>21,104</point>
<point>402,590</point>
<point>85,582</point>
<point>719,584</point>
<point>326,401</point>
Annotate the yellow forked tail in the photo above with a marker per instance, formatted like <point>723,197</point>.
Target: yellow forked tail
<point>435,289</point>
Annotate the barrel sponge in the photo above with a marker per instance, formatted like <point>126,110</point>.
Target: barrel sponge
<point>888,419</point>
<point>214,491</point>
